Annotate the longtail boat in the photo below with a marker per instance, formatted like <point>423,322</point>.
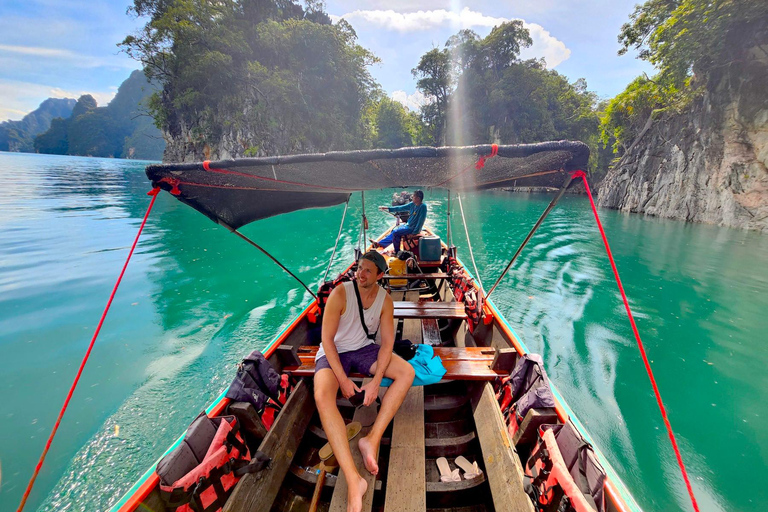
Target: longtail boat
<point>441,305</point>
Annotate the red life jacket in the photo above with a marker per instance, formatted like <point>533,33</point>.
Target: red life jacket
<point>562,472</point>
<point>200,473</point>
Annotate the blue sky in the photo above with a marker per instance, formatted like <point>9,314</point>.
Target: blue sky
<point>54,48</point>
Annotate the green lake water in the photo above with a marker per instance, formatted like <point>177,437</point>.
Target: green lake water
<point>195,299</point>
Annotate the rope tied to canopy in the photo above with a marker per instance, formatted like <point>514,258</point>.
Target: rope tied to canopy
<point>477,165</point>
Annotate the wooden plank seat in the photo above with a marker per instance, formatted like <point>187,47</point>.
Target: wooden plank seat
<point>467,363</point>
<point>413,277</point>
<point>449,310</point>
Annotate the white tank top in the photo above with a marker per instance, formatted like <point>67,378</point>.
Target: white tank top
<point>350,334</point>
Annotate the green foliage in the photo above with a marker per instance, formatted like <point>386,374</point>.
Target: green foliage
<point>273,69</point>
<point>395,126</point>
<point>687,41</point>
<point>54,141</point>
<point>681,37</point>
<point>481,91</point>
<point>434,79</point>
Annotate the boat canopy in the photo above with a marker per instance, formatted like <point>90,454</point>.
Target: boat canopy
<point>236,192</point>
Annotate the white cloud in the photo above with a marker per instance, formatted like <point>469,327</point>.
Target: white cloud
<point>412,102</point>
<point>544,44</point>
<point>21,98</point>
<point>73,58</point>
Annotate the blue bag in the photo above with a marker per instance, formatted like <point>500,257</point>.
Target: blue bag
<point>429,368</point>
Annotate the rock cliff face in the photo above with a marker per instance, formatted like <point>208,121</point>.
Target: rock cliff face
<point>709,164</point>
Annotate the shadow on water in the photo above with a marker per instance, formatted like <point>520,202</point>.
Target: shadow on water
<point>196,298</point>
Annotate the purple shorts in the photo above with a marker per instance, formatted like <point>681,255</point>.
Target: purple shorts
<point>356,361</point>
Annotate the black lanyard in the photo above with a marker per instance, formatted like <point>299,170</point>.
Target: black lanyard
<point>362,318</point>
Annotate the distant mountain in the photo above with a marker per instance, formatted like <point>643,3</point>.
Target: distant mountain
<point>122,129</point>
<point>20,135</point>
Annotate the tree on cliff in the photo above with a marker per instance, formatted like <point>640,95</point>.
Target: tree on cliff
<point>260,76</point>
<point>481,91</point>
<point>687,41</point>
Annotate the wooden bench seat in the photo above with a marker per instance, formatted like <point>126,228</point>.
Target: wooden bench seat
<point>468,363</point>
<point>414,277</point>
<point>448,310</point>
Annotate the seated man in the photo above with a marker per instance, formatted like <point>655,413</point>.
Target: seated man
<point>418,214</point>
<point>348,345</point>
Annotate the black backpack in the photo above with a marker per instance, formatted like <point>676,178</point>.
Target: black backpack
<point>256,382</point>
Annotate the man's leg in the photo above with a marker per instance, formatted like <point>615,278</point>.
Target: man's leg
<point>326,388</point>
<point>402,375</point>
<point>397,235</point>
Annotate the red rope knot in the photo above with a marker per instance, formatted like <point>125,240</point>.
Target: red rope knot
<point>578,174</point>
<point>481,161</point>
<point>155,190</point>
<point>207,165</point>
<point>174,183</point>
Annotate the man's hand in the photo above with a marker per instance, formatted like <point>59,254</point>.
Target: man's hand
<point>348,388</point>
<point>371,392</point>
<point>384,208</point>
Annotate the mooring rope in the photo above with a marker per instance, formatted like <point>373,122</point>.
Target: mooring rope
<point>341,226</point>
<point>667,424</point>
<point>469,245</point>
<point>533,230</point>
<point>31,483</point>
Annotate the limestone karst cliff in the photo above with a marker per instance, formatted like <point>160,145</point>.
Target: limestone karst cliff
<point>709,164</point>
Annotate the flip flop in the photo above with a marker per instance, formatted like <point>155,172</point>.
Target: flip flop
<point>354,428</point>
<point>471,469</point>
<point>446,475</point>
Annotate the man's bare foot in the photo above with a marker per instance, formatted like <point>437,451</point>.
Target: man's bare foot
<point>370,454</point>
<point>355,494</point>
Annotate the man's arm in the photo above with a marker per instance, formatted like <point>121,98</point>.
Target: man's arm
<point>387,329</point>
<point>334,308</point>
<point>401,208</point>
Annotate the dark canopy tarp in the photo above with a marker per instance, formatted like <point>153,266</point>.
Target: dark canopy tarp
<point>236,192</point>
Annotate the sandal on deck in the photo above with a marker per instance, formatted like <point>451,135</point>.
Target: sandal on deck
<point>471,469</point>
<point>354,428</point>
<point>446,475</point>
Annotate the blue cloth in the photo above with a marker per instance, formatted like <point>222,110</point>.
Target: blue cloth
<point>429,368</point>
<point>418,214</point>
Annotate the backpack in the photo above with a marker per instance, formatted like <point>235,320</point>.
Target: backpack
<point>563,474</point>
<point>200,473</point>
<point>256,382</point>
<point>526,388</point>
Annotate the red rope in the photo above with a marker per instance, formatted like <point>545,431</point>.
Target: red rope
<point>152,193</point>
<point>207,167</point>
<point>583,176</point>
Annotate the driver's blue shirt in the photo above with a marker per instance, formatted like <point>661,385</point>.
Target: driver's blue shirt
<point>418,214</point>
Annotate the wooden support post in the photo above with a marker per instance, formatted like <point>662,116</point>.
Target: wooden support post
<point>535,418</point>
<point>505,360</point>
<point>249,420</point>
<point>502,465</point>
<point>256,492</point>
<point>287,355</point>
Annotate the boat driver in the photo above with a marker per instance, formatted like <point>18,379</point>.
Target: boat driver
<point>418,214</point>
<point>347,348</point>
